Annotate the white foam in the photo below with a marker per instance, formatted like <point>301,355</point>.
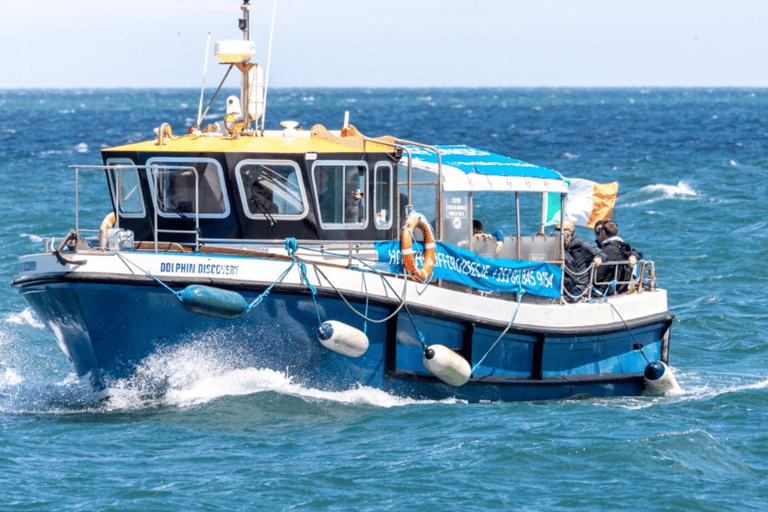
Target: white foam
<point>659,192</point>
<point>10,378</point>
<point>26,317</point>
<point>32,238</point>
<point>197,373</point>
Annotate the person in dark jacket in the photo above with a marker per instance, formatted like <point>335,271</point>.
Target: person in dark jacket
<point>615,249</point>
<point>579,256</point>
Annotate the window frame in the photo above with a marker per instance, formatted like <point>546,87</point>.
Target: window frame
<point>391,205</point>
<point>190,161</point>
<point>243,190</point>
<point>364,201</point>
<point>112,178</point>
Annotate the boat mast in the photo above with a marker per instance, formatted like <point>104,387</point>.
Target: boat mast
<point>244,24</point>
<point>245,21</point>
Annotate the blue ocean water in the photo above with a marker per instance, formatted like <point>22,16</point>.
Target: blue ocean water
<point>691,166</point>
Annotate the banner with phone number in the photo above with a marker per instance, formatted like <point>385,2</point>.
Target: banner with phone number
<point>467,268</point>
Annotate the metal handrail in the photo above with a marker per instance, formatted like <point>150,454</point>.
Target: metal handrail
<point>120,168</point>
<point>635,284</point>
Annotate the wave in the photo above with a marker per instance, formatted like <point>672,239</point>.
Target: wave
<point>26,317</point>
<point>659,192</point>
<point>32,238</point>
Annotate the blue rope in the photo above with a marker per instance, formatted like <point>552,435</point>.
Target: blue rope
<point>291,246</point>
<point>126,260</point>
<point>258,300</point>
<point>365,317</point>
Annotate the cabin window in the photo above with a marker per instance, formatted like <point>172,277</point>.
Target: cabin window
<point>187,185</point>
<point>340,193</point>
<point>382,199</point>
<point>271,188</point>
<point>126,188</point>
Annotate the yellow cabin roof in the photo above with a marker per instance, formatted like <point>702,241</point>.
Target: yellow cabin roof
<point>319,140</point>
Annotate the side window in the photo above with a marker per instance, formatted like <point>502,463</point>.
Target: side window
<point>126,188</point>
<point>340,194</point>
<point>382,200</point>
<point>186,185</point>
<point>270,188</point>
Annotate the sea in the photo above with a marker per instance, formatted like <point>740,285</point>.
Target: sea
<point>691,166</point>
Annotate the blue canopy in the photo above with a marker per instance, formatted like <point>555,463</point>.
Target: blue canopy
<point>468,168</point>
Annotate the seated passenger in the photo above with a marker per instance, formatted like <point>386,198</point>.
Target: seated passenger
<point>477,232</point>
<point>615,249</point>
<point>579,256</point>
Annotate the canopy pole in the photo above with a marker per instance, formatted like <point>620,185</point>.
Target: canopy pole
<point>517,216</point>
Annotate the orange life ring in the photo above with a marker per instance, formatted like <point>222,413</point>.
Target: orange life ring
<point>108,222</point>
<point>417,221</point>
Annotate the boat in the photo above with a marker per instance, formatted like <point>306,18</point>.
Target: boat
<point>340,259</point>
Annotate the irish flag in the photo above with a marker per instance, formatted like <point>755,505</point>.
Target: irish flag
<point>588,202</point>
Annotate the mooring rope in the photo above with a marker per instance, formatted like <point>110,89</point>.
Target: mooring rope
<point>520,294</point>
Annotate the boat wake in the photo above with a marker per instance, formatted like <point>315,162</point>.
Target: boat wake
<point>654,193</point>
<point>187,376</point>
<point>198,373</point>
<point>694,388</point>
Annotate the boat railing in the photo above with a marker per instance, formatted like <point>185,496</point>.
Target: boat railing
<point>643,278</point>
<point>116,182</point>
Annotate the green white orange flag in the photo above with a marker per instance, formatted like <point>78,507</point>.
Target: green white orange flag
<point>588,202</point>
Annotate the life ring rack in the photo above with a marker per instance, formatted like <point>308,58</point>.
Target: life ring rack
<point>417,221</point>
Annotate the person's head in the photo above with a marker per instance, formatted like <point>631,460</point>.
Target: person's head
<point>608,229</point>
<point>477,227</point>
<point>568,228</point>
<point>354,196</point>
<point>598,228</point>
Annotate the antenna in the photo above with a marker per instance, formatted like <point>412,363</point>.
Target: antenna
<point>269,59</point>
<point>245,22</point>
<point>202,90</point>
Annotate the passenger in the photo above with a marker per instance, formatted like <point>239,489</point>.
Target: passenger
<point>579,256</point>
<point>353,211</point>
<point>597,231</point>
<point>615,249</point>
<point>261,199</point>
<point>477,232</point>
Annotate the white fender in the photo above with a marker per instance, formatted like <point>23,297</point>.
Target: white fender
<point>447,365</point>
<point>342,338</point>
<point>660,380</point>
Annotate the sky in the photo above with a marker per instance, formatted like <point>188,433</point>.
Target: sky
<point>389,43</point>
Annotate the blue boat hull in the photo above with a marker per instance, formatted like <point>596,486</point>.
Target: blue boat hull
<point>107,328</point>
